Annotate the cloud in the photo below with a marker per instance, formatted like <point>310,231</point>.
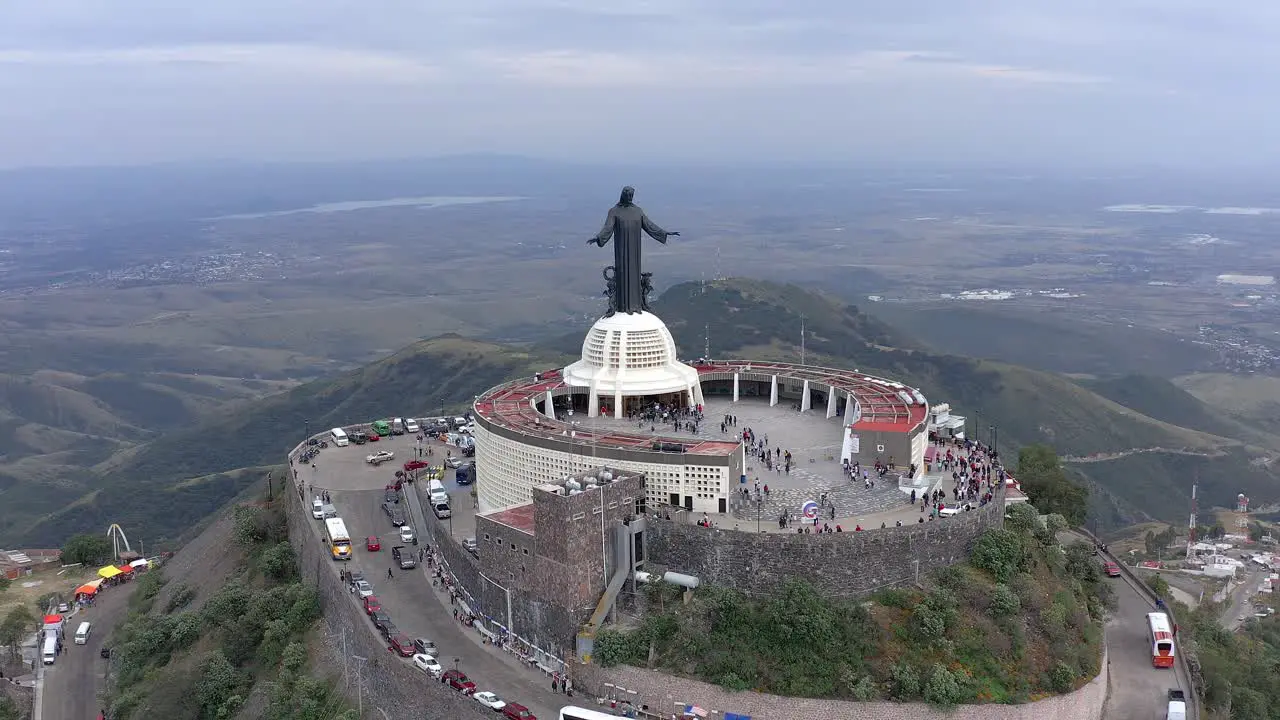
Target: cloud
<point>292,59</point>
<point>801,78</point>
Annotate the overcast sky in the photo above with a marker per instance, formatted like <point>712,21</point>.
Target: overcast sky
<point>1103,82</point>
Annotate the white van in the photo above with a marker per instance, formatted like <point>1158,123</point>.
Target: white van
<point>317,508</point>
<point>435,487</point>
<point>411,425</point>
<point>338,436</point>
<point>82,633</point>
<point>50,654</point>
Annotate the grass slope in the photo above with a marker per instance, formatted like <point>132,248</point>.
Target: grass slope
<point>147,492</point>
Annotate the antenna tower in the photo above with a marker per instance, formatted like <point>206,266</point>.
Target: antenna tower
<point>719,268</point>
<point>1191,531</point>
<point>1242,515</point>
<point>802,333</point>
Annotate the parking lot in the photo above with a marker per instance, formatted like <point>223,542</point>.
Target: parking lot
<point>415,607</point>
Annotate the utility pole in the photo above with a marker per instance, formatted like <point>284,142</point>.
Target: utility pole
<point>706,348</point>
<point>360,684</point>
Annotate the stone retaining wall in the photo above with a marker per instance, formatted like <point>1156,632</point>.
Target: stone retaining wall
<point>662,692</point>
<point>844,565</point>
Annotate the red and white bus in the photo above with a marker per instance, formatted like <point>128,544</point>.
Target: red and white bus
<point>1160,632</point>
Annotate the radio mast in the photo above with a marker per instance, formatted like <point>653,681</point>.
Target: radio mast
<point>1191,528</point>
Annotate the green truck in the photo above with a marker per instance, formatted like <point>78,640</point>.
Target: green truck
<point>382,427</point>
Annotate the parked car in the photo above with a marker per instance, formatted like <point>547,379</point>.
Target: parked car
<point>389,630</point>
<point>426,647</point>
<point>363,588</point>
<point>516,711</point>
<point>382,427</point>
<point>380,457</point>
<point>405,560</point>
<point>372,544</point>
<point>416,465</point>
<point>373,436</point>
<point>489,700</point>
<point>354,577</point>
<point>453,462</point>
<point>317,508</point>
<point>372,605</point>
<point>471,546</point>
<point>411,425</point>
<point>394,512</point>
<point>380,619</point>
<point>359,438</point>
<point>407,535</point>
<point>397,426</point>
<point>459,681</point>
<point>1111,569</point>
<point>428,664</point>
<point>402,645</point>
<point>63,607</point>
<point>390,495</point>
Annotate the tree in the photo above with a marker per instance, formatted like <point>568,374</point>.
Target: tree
<point>87,550</point>
<point>1043,479</point>
<point>15,627</point>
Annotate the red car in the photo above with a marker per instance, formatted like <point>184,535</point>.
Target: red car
<point>372,436</point>
<point>372,605</point>
<point>458,680</point>
<point>516,711</point>
<point>415,465</point>
<point>403,645</point>
<point>1111,569</point>
<point>371,544</point>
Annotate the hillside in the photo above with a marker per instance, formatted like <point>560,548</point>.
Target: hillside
<point>1162,399</point>
<point>159,488</point>
<point>149,491</point>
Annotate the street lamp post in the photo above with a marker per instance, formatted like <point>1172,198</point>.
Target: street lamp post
<point>306,428</point>
<point>758,504</point>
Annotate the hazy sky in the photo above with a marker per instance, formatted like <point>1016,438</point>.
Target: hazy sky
<point>1107,82</point>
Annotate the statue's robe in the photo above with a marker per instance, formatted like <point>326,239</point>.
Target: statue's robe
<point>625,225</point>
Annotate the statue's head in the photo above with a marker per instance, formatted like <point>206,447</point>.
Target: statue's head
<point>628,195</point>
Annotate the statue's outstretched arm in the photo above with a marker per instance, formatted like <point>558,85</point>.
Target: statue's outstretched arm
<point>651,228</point>
<point>602,238</point>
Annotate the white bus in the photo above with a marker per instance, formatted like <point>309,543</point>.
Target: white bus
<point>576,713</point>
<point>339,437</point>
<point>339,540</point>
<point>1160,635</point>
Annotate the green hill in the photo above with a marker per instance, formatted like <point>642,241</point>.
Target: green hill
<point>1160,398</point>
<point>149,487</point>
<point>144,490</point>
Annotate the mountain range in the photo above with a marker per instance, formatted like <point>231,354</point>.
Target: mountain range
<point>158,454</point>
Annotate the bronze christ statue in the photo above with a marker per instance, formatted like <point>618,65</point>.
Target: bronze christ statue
<point>626,225</point>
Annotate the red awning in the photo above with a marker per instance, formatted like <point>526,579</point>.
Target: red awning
<point>52,619</point>
<point>125,569</point>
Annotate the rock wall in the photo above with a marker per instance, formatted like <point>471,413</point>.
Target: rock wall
<point>662,692</point>
<point>848,564</point>
<point>389,686</point>
<point>548,629</point>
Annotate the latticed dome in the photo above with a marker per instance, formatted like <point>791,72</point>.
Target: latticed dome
<point>630,355</point>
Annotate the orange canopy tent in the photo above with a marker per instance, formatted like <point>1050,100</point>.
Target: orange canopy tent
<point>89,588</point>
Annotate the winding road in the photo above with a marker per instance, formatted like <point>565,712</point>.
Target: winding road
<point>71,686</point>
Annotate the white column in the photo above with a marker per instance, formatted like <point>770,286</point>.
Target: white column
<point>805,403</point>
<point>850,406</point>
<point>773,392</point>
<point>831,402</point>
<point>617,404</point>
<point>549,407</point>
<point>593,402</point>
<point>735,387</point>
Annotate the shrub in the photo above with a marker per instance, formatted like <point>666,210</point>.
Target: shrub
<point>279,562</point>
<point>1062,677</point>
<point>1022,517</point>
<point>864,690</point>
<point>182,597</point>
<point>906,682</point>
<point>901,598</point>
<point>1000,553</point>
<point>1004,602</point>
<point>943,687</point>
<point>1055,523</point>
<point>218,683</point>
<point>611,648</point>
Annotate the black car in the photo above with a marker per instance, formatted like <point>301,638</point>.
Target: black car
<point>405,560</point>
<point>389,630</point>
<point>105,651</point>
<point>390,496</point>
<point>380,619</point>
<point>394,512</point>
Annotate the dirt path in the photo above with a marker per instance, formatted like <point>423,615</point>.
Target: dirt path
<point>1105,457</point>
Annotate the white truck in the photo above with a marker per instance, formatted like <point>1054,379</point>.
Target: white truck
<point>1177,705</point>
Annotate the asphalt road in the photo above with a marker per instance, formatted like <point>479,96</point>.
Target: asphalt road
<point>72,684</point>
<point>415,607</point>
<point>1138,690</point>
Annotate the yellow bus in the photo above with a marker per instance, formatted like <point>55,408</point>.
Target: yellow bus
<point>339,540</point>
